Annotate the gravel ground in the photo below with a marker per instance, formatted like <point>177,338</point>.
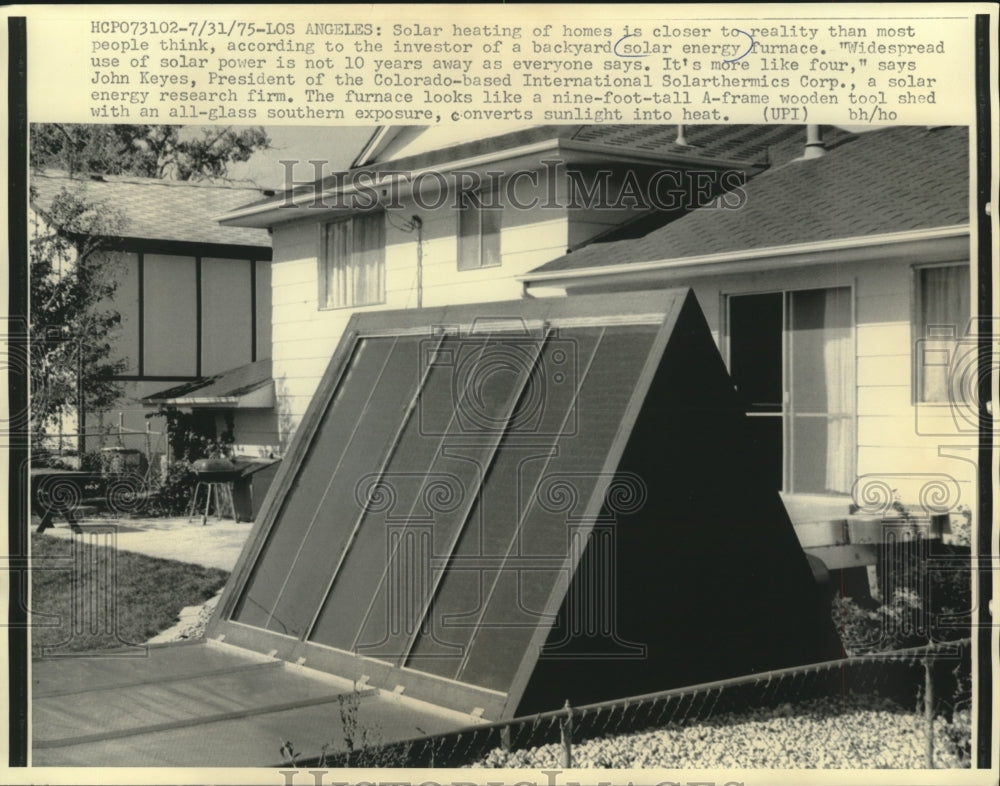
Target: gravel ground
<point>191,623</point>
<point>859,732</point>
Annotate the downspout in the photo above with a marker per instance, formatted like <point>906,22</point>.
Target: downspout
<point>419,225</point>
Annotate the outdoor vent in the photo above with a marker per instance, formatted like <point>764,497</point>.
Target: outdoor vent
<point>815,147</point>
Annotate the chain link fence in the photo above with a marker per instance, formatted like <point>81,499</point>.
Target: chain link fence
<point>927,680</point>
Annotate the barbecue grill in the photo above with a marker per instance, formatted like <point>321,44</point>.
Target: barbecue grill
<point>216,476</point>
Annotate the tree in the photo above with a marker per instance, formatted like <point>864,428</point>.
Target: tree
<point>71,322</point>
<point>159,151</point>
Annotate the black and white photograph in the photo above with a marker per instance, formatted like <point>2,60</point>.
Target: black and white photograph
<point>564,437</point>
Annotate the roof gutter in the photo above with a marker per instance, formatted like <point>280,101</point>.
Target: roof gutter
<point>373,143</point>
<point>351,188</point>
<point>185,401</point>
<point>546,146</point>
<point>639,156</point>
<point>772,257</point>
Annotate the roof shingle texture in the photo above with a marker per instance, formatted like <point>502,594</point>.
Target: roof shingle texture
<point>892,180</point>
<point>161,209</point>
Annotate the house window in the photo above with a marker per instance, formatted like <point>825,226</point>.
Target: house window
<point>941,315</point>
<point>478,233</point>
<point>791,357</point>
<point>352,262</point>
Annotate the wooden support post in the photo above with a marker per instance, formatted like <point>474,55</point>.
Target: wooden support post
<point>566,735</point>
<point>929,710</point>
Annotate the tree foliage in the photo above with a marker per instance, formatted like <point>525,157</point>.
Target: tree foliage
<point>72,322</point>
<point>159,151</point>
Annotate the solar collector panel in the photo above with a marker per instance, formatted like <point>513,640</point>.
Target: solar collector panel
<point>492,394</point>
<point>484,543</point>
<point>379,381</point>
<point>517,606</point>
<point>501,593</point>
<point>471,388</point>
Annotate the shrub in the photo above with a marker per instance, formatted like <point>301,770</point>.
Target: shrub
<point>173,495</point>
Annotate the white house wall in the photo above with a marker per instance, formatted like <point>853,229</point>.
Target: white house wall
<point>896,438</point>
<point>304,337</point>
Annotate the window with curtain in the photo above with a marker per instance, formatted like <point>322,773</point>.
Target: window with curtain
<point>791,356</point>
<point>821,361</point>
<point>478,234</point>
<point>352,264</point>
<point>942,315</point>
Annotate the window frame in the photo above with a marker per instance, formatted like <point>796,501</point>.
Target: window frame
<point>916,307</point>
<point>478,203</point>
<point>324,263</point>
<point>787,381</point>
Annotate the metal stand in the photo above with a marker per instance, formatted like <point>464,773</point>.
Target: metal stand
<point>220,493</point>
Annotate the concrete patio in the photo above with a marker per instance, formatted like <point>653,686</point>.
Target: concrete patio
<point>217,544</point>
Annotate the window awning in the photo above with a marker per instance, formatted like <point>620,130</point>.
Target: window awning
<point>245,387</point>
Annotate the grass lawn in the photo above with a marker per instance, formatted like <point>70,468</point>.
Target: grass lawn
<point>86,597</point>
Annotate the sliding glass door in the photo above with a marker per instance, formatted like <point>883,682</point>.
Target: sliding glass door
<point>791,356</point>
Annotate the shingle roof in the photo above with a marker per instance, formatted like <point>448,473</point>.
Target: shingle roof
<point>890,180</point>
<point>748,144</point>
<point>161,209</point>
<point>227,384</point>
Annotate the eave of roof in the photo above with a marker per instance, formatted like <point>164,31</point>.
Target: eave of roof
<point>912,245</point>
<point>573,144</point>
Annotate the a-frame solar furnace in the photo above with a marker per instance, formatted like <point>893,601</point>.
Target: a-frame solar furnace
<point>499,507</point>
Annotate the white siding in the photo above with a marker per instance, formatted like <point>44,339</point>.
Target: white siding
<point>894,438</point>
<point>305,337</point>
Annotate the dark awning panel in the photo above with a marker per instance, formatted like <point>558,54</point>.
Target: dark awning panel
<point>245,387</point>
